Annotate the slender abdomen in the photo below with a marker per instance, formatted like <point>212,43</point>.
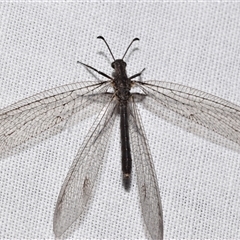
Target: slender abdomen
<point>125,144</point>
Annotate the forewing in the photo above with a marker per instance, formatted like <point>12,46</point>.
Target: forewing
<point>146,176</point>
<point>205,109</point>
<point>31,116</point>
<point>77,187</point>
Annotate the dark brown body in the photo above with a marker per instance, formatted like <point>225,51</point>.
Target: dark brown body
<point>122,87</point>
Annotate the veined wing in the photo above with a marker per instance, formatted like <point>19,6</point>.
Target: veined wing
<point>205,109</point>
<point>146,177</point>
<point>77,187</point>
<point>31,116</point>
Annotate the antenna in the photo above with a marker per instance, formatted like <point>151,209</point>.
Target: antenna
<point>135,39</point>
<point>100,37</point>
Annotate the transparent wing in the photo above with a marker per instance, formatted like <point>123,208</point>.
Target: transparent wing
<point>146,177</point>
<point>210,111</point>
<point>78,185</point>
<point>31,116</point>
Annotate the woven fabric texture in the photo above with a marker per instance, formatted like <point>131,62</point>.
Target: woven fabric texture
<point>198,172</point>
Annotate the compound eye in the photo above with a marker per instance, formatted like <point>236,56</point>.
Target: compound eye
<point>112,65</point>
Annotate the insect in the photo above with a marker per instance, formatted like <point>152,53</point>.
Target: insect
<point>30,117</point>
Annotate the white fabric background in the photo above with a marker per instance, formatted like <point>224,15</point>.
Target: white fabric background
<point>192,44</point>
